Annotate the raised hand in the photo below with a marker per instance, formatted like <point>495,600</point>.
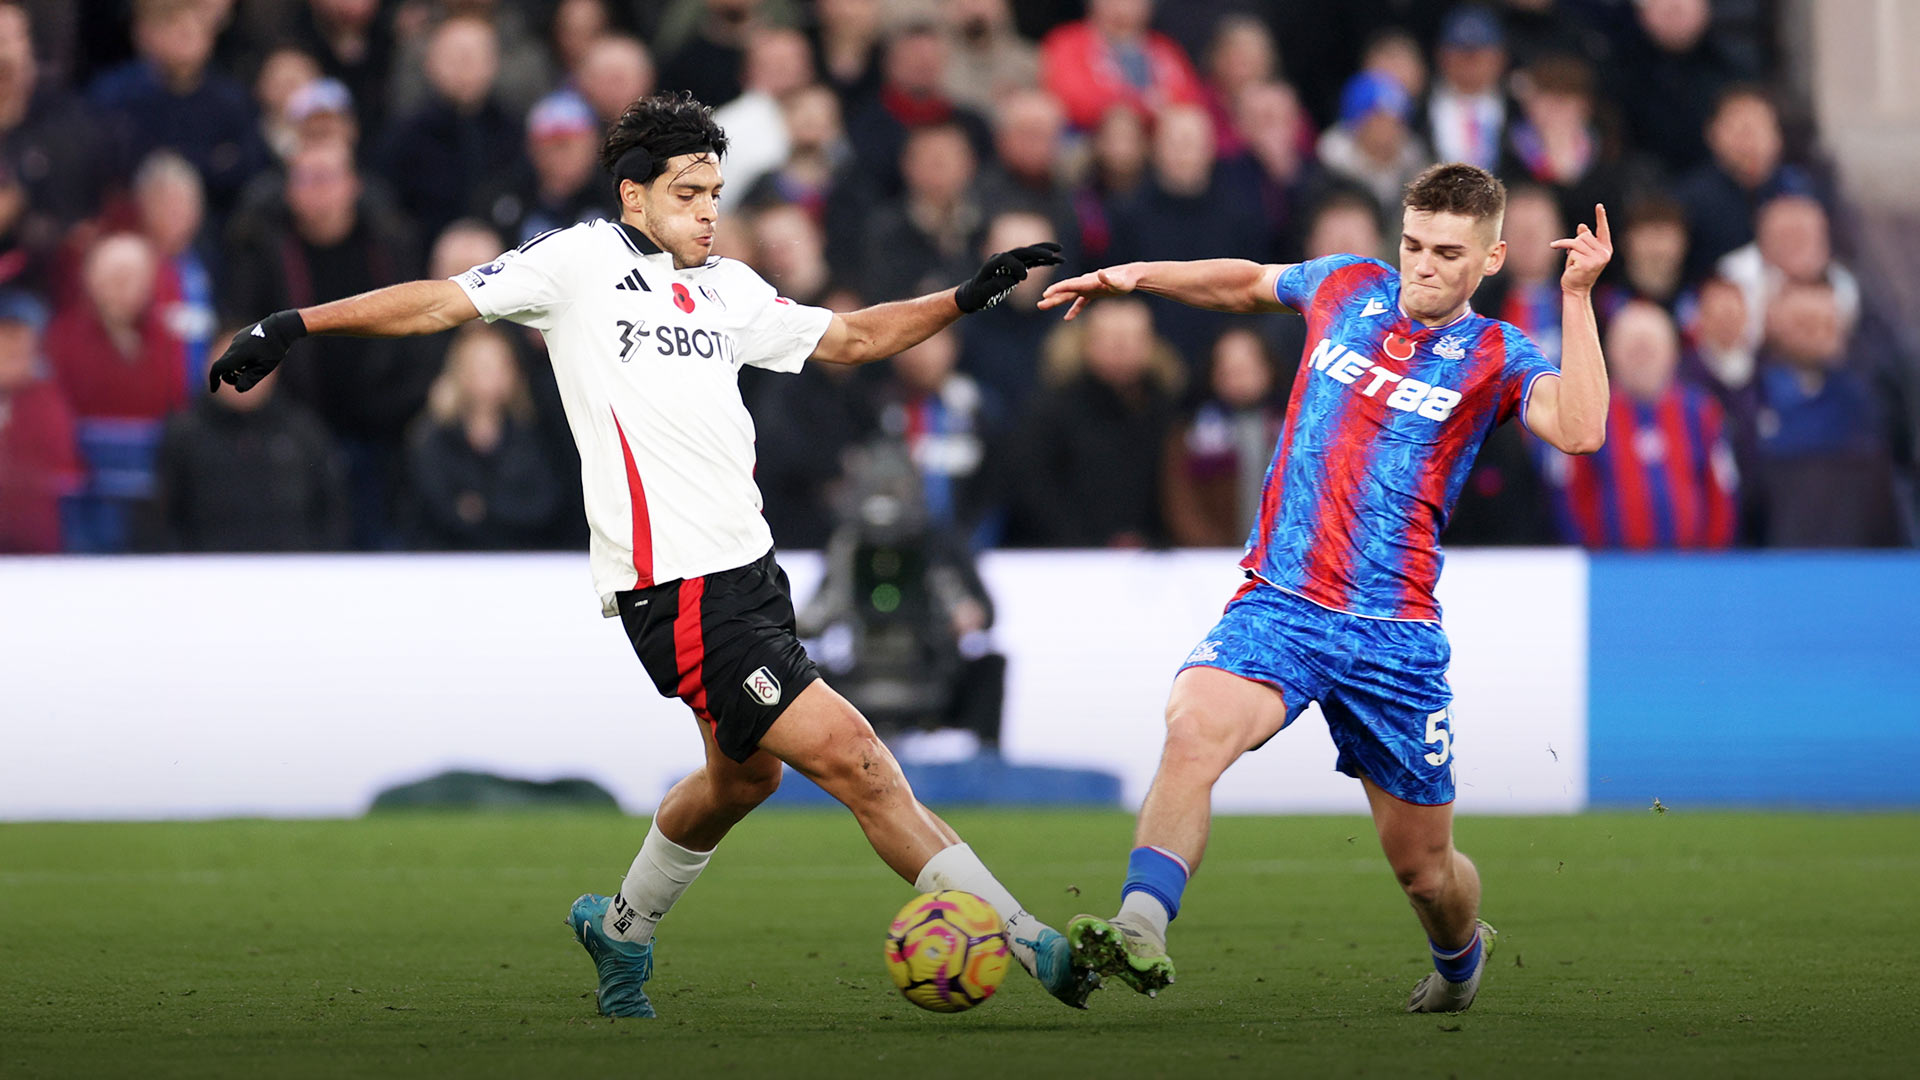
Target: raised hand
<point>1111,281</point>
<point>1588,252</point>
<point>999,274</point>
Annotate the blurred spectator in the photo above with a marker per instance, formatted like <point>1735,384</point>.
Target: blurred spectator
<point>170,97</point>
<point>615,72</point>
<point>1526,292</point>
<point>1216,457</point>
<point>53,160</point>
<point>1186,210</point>
<point>123,372</point>
<point>791,253</point>
<point>1558,145</point>
<point>1112,58</point>
<point>709,61</point>
<point>987,59</point>
<point>479,474</point>
<point>1665,478</point>
<point>1652,257</point>
<point>1240,57</point>
<point>902,615</point>
<point>1025,170</point>
<point>806,424</point>
<point>820,175</point>
<point>39,463</point>
<point>167,193</point>
<point>1372,145</point>
<point>354,45</point>
<point>1466,115</point>
<point>1723,195</point>
<point>282,74</point>
<point>847,41</point>
<point>522,71</point>
<point>1665,72</point>
<point>1090,447</point>
<point>948,427</point>
<point>323,239</point>
<point>561,183</point>
<point>1277,153</point>
<point>248,472</point>
<point>1791,243</point>
<point>911,97</point>
<point>1826,476</point>
<point>926,239</point>
<point>1345,222</point>
<point>1395,53</point>
<point>778,63</point>
<point>1001,346</point>
<point>574,27</point>
<point>438,157</point>
<point>1722,362</point>
<point>322,111</point>
<point>1117,168</point>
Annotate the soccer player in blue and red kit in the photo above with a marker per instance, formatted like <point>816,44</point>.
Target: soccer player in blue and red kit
<point>1400,383</point>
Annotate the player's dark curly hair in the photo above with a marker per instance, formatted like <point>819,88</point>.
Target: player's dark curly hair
<point>663,126</point>
<point>1457,188</point>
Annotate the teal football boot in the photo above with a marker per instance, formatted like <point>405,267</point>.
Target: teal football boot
<point>624,967</point>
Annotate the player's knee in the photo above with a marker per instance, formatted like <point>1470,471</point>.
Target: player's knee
<point>1425,882</point>
<point>1198,742</point>
<point>749,788</point>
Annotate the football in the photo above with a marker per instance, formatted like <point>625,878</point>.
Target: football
<point>947,951</point>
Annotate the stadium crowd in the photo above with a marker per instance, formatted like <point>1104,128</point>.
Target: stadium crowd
<point>171,170</point>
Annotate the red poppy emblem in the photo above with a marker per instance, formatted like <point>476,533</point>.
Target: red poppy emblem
<point>683,299</point>
<point>1397,347</point>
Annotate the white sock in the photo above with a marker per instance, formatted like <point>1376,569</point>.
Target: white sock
<point>959,868</point>
<point>660,873</point>
<point>1144,911</point>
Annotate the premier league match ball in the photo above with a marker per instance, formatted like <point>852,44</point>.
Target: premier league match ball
<point>947,951</point>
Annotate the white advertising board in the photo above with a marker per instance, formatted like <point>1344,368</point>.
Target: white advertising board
<point>183,687</point>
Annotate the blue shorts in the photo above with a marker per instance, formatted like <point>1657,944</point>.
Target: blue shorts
<point>1381,683</point>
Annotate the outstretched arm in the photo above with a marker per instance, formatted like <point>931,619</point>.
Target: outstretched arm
<point>1570,412</point>
<point>880,331</point>
<point>413,307</point>
<point>1217,284</point>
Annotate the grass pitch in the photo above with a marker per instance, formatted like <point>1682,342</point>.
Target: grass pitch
<point>1674,944</point>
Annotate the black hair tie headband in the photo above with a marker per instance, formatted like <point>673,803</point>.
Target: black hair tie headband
<point>635,165</point>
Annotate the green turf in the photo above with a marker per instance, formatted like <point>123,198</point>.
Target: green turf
<point>1677,944</point>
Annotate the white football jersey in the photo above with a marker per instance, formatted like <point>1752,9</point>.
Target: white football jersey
<point>648,361</point>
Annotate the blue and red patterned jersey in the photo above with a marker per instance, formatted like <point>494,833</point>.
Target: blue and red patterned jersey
<point>1385,419</point>
<point>1665,479</point>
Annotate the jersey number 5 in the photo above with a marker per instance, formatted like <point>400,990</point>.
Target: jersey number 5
<point>1440,730</point>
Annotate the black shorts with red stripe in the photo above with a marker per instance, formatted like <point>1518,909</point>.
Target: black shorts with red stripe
<point>724,644</point>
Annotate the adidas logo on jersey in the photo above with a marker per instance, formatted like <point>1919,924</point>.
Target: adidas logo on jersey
<point>633,282</point>
<point>1408,395</point>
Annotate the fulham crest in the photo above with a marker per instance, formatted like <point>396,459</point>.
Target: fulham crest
<point>764,687</point>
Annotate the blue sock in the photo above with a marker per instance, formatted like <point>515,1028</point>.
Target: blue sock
<point>1160,874</point>
<point>1456,966</point>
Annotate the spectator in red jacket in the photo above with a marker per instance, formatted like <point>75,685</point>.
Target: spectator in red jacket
<point>38,462</point>
<point>1111,58</point>
<point>1666,478</point>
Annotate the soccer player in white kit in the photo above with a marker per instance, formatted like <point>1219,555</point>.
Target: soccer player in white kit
<point>647,332</point>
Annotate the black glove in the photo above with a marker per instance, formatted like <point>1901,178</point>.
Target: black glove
<point>256,351</point>
<point>1001,273</point>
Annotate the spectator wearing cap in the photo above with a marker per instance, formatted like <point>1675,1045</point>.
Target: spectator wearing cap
<point>1112,58</point>
<point>438,158</point>
<point>123,371</point>
<point>1372,146</point>
<point>39,462</point>
<point>322,110</point>
<point>1666,477</point>
<point>560,182</point>
<point>778,64</point>
<point>171,97</point>
<point>1467,112</point>
<point>248,472</point>
<point>51,149</point>
<point>1723,196</point>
